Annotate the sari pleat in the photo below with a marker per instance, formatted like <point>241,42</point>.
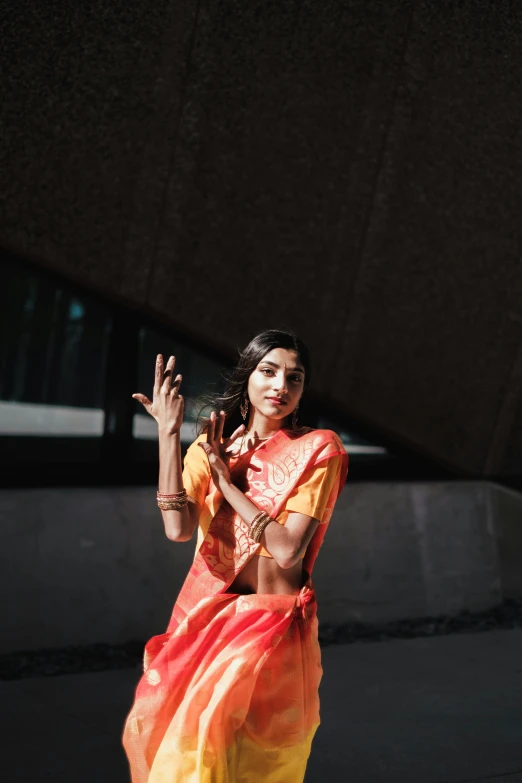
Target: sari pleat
<point>229,693</point>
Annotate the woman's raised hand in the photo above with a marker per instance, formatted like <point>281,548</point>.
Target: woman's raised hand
<point>167,403</point>
<point>216,450</point>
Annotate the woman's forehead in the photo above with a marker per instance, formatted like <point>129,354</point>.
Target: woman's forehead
<point>283,357</point>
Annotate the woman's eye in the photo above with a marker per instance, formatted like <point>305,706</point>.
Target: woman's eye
<point>293,378</point>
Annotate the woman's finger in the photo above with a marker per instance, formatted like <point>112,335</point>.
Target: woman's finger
<point>167,374</point>
<point>235,435</point>
<point>176,384</point>
<point>158,374</point>
<point>211,454</point>
<point>210,429</point>
<point>206,448</point>
<point>219,427</point>
<point>144,401</point>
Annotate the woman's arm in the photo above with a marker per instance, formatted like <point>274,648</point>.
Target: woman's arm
<point>167,409</point>
<point>179,525</point>
<point>286,543</point>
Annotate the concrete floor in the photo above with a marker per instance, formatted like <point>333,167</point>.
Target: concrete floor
<point>438,710</point>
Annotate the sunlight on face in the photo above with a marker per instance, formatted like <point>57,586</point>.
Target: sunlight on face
<point>276,385</point>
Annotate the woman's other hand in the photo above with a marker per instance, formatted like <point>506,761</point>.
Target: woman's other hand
<point>167,403</point>
<point>216,449</point>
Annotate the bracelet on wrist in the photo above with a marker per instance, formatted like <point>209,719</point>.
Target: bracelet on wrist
<point>174,501</point>
<point>172,505</point>
<point>258,525</point>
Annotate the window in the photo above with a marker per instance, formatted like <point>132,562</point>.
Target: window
<point>69,363</point>
<point>52,368</point>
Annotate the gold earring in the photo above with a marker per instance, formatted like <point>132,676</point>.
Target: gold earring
<point>294,417</point>
<point>244,406</point>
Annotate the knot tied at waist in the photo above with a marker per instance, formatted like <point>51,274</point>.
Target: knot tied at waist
<point>305,599</point>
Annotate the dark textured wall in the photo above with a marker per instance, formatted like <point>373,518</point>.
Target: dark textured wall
<point>351,168</point>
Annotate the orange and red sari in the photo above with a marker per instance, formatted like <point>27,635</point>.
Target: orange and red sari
<point>230,691</point>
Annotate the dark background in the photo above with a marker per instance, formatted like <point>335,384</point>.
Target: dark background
<point>350,169</point>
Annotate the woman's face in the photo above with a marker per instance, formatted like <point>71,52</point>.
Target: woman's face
<point>277,383</point>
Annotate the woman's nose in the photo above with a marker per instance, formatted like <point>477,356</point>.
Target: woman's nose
<point>280,383</point>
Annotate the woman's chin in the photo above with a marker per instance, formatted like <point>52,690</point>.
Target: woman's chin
<point>273,412</point>
<point>278,416</point>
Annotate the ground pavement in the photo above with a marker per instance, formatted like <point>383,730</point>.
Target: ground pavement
<point>444,709</point>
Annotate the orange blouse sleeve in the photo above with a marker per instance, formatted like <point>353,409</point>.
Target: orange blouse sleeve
<point>311,494</point>
<point>196,472</point>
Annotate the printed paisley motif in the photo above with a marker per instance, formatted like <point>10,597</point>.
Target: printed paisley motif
<point>284,470</point>
<point>228,534</point>
<point>270,476</point>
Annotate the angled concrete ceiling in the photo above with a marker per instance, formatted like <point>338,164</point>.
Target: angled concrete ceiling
<point>352,170</point>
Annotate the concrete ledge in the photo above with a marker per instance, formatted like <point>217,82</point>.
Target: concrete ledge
<point>398,550</point>
<point>93,565</point>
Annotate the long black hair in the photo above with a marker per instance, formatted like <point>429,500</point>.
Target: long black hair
<point>236,381</point>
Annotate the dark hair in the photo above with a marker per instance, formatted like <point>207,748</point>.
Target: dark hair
<point>236,381</point>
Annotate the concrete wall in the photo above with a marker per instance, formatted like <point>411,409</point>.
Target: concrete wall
<point>93,565</point>
<point>402,550</point>
<point>352,168</point>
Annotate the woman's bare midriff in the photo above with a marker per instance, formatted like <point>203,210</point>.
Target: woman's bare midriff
<point>263,575</point>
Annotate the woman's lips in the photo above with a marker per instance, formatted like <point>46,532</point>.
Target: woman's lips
<point>276,401</point>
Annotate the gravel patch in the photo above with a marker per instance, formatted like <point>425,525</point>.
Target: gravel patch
<point>100,657</point>
<point>506,615</point>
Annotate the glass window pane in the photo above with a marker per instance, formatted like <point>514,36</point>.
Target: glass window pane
<point>53,346</point>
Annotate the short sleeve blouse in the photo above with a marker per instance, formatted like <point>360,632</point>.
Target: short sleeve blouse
<point>196,472</point>
<point>309,497</point>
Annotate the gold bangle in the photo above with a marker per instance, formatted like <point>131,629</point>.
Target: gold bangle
<point>174,501</point>
<point>261,528</point>
<point>255,522</point>
<point>260,522</point>
<point>172,505</point>
<point>174,496</point>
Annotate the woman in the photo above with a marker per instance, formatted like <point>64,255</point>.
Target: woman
<point>230,691</point>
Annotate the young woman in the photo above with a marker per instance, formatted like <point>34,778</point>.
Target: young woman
<point>230,691</point>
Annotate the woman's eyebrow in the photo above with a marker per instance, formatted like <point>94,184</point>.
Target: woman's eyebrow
<point>277,366</point>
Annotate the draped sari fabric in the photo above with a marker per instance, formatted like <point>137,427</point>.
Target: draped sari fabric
<point>229,692</point>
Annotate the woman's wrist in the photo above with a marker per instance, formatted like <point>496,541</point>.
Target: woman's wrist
<point>165,434</point>
<point>246,509</point>
<point>224,487</point>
